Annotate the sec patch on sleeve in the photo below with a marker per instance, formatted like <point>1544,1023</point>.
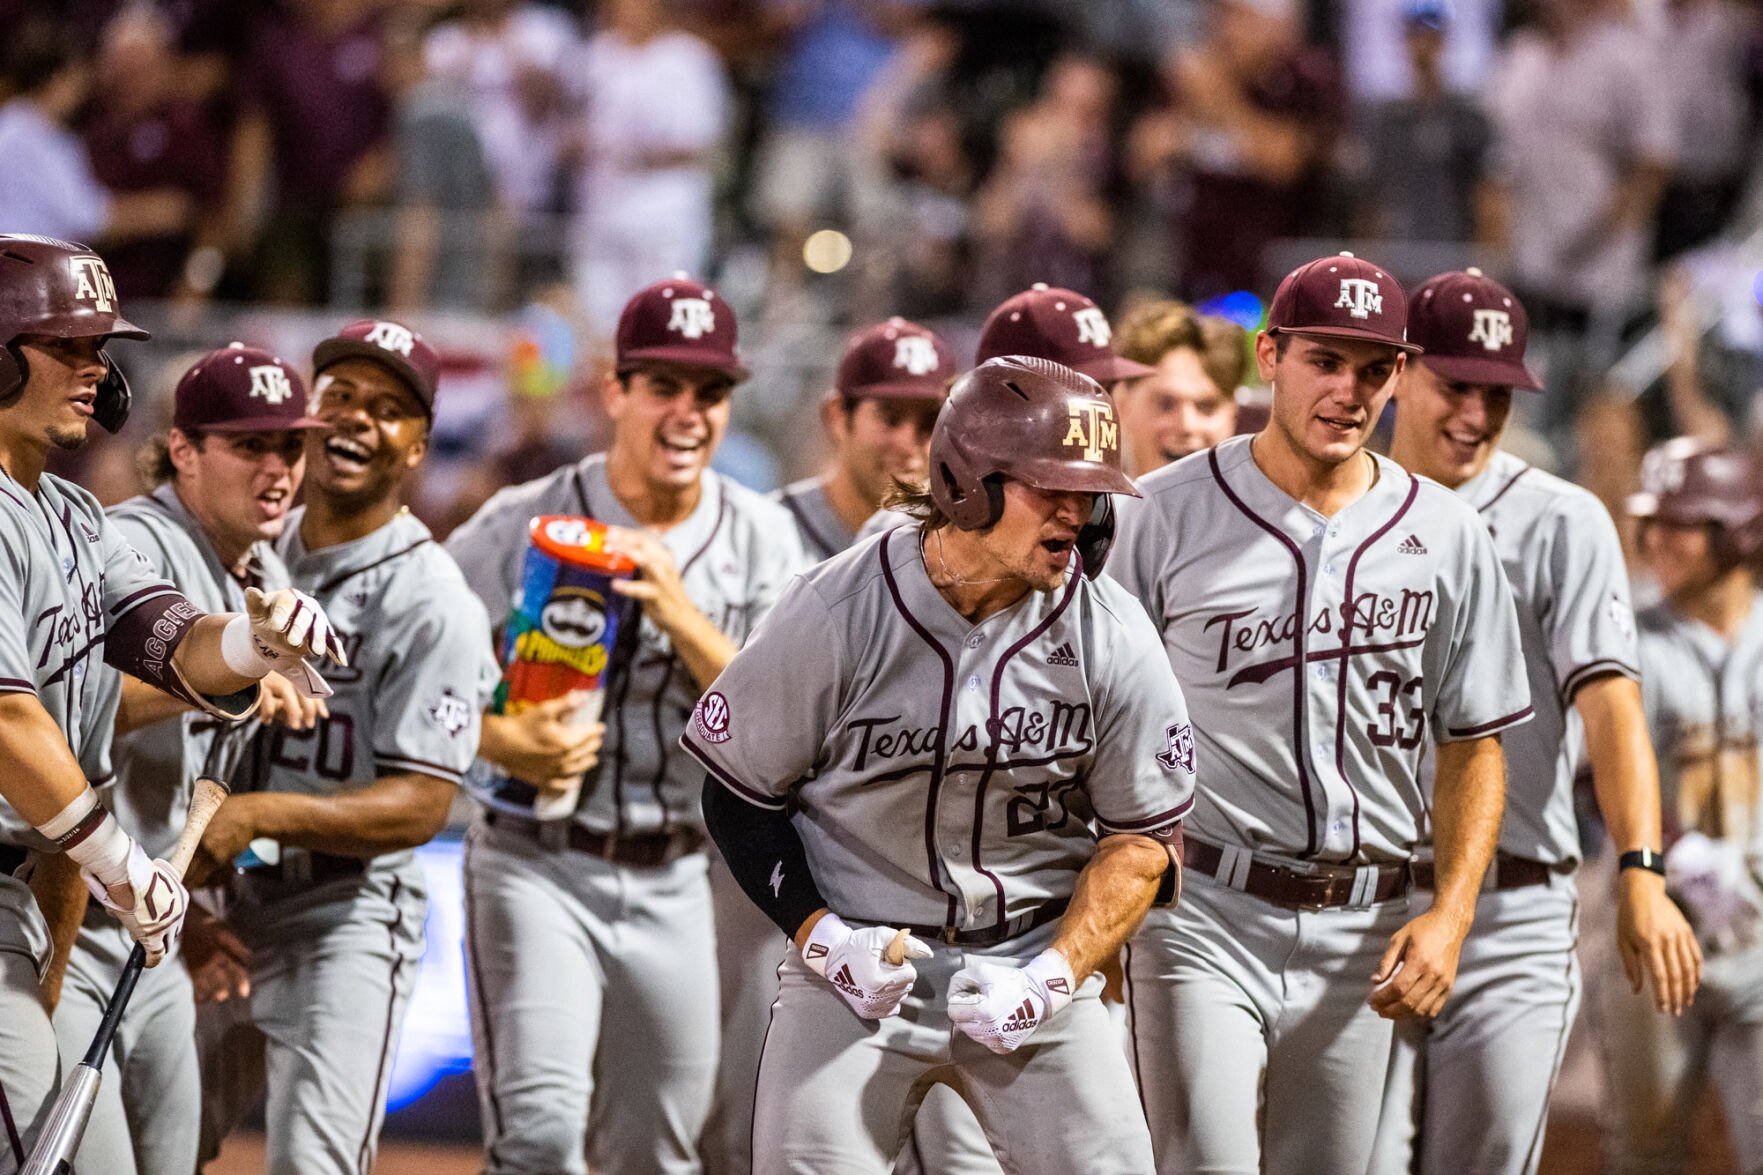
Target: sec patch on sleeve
<point>711,718</point>
<point>1179,754</point>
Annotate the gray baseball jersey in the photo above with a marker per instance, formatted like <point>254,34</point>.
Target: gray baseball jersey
<point>1575,622</point>
<point>157,765</point>
<point>1316,652</point>
<point>735,553</point>
<point>1487,1062</point>
<point>74,595</point>
<point>420,667</point>
<point>967,761</point>
<point>1704,702</point>
<point>824,533</point>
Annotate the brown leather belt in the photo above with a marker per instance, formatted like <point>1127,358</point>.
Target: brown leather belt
<point>1320,887</point>
<point>640,850</point>
<point>990,936</point>
<point>1507,872</point>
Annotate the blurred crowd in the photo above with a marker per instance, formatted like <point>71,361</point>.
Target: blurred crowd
<point>836,161</point>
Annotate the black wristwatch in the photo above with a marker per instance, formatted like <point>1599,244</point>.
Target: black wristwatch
<point>1642,859</point>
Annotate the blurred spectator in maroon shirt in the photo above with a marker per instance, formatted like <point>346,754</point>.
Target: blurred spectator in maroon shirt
<point>1043,214</point>
<point>145,136</point>
<point>315,115</point>
<point>1253,116</point>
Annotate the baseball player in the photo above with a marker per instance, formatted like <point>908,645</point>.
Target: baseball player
<point>1474,1081</point>
<point>885,396</point>
<point>73,591</point>
<point>331,906</point>
<point>1322,609</point>
<point>226,473</point>
<point>590,940</point>
<point>910,758</point>
<point>891,381</point>
<point>1701,662</point>
<point>1188,401</point>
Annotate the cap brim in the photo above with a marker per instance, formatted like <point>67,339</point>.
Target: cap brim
<point>1111,368</point>
<point>336,350</point>
<point>1347,332</point>
<point>1471,369</point>
<point>266,424</point>
<point>685,357</point>
<point>128,330</point>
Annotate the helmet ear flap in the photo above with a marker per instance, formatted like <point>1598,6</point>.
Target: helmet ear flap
<point>1096,537</point>
<point>971,500</point>
<point>111,406</point>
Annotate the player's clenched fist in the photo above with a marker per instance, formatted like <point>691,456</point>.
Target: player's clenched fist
<point>1000,1006</point>
<point>280,631</point>
<point>852,961</point>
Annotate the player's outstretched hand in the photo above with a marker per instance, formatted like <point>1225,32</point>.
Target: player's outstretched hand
<point>1656,942</point>
<point>219,963</point>
<point>1000,1006</point>
<point>852,961</point>
<point>280,704</point>
<point>145,896</point>
<point>1417,972</point>
<point>288,631</point>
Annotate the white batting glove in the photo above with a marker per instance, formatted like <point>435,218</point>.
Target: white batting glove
<point>1000,1006</point>
<point>145,896</point>
<point>851,960</point>
<point>281,631</point>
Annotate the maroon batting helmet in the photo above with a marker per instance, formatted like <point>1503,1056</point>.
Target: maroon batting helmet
<point>60,289</point>
<point>1687,482</point>
<point>1037,422</point>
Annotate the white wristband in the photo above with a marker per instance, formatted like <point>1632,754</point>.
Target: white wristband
<point>66,820</point>
<point>1053,970</point>
<point>238,649</point>
<point>828,933</point>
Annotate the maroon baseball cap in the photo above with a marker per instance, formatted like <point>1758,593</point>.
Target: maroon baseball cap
<point>895,360</point>
<point>1342,297</point>
<point>391,343</point>
<point>679,320</point>
<point>241,389</point>
<point>1473,329</point>
<point>1062,325</point>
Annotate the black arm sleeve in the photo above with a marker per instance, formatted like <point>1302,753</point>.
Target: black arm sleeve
<point>765,855</point>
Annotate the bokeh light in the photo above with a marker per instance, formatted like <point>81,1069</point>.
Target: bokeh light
<point>827,251</point>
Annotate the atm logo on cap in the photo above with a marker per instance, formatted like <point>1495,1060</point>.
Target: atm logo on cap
<point>91,281</point>
<point>914,354</point>
<point>1493,329</point>
<point>392,337</point>
<point>1093,429</point>
<point>1360,297</point>
<point>270,383</point>
<point>692,317</point>
<point>1092,326</point>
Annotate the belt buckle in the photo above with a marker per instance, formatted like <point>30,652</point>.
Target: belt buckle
<point>609,848</point>
<point>950,936</point>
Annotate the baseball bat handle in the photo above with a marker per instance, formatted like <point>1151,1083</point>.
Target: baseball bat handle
<point>895,954</point>
<point>205,801</point>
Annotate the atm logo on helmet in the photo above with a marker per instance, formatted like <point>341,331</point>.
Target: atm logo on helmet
<point>91,282</point>
<point>1092,428</point>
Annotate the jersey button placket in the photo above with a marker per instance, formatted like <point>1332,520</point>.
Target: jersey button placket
<point>1322,711</point>
<point>954,815</point>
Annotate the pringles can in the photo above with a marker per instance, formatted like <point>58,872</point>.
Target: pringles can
<point>559,639</point>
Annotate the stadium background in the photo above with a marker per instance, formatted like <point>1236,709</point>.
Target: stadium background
<point>501,174</point>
